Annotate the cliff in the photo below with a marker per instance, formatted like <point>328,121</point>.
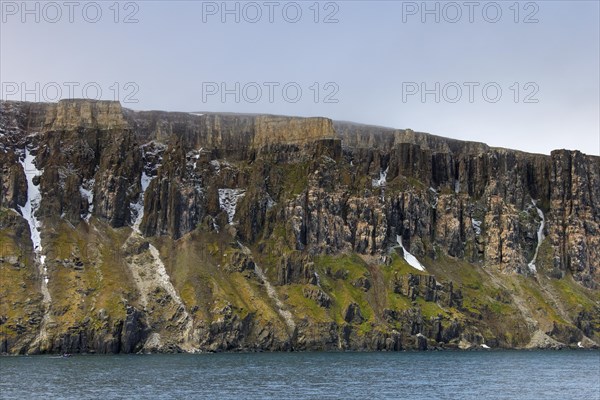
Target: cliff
<point>126,231</point>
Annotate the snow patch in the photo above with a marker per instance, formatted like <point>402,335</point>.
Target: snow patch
<point>216,165</point>
<point>228,199</point>
<point>162,276</point>
<point>476,226</point>
<point>214,225</point>
<point>270,202</point>
<point>138,208</point>
<point>410,259</point>
<point>45,271</point>
<point>457,186</point>
<point>382,181</point>
<point>34,198</point>
<point>87,191</point>
<point>193,156</point>
<point>145,181</point>
<point>485,346</point>
<point>435,196</point>
<point>540,238</point>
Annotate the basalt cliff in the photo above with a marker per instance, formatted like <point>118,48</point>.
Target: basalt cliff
<point>129,231</point>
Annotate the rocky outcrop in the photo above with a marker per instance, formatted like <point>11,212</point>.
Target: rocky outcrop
<point>273,131</point>
<point>353,314</point>
<point>296,267</point>
<point>84,114</point>
<point>575,215</point>
<point>415,286</point>
<point>169,231</point>
<point>318,296</point>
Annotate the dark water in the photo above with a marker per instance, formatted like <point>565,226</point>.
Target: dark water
<point>555,375</point>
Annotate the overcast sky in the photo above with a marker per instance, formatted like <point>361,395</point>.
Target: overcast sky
<point>523,77</point>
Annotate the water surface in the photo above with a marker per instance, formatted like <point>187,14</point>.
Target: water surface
<point>481,375</point>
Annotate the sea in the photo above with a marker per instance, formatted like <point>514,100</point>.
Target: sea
<point>534,375</point>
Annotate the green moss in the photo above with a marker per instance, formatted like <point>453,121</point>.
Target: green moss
<point>397,301</point>
<point>430,309</point>
<point>352,263</point>
<point>303,307</point>
<point>365,328</point>
<point>417,184</point>
<point>573,295</point>
<point>463,274</point>
<point>18,284</point>
<point>295,178</point>
<point>342,291</point>
<point>404,183</point>
<point>537,301</point>
<point>399,266</point>
<point>499,308</point>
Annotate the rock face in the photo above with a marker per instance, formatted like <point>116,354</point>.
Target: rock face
<point>184,232</point>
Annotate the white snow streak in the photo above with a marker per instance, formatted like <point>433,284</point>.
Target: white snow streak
<point>163,278</point>
<point>435,196</point>
<point>382,181</point>
<point>540,237</point>
<point>476,226</point>
<point>87,191</point>
<point>318,279</point>
<point>270,202</point>
<point>228,199</point>
<point>410,259</point>
<point>148,277</point>
<point>138,208</point>
<point>34,198</point>
<point>216,165</point>
<point>285,314</point>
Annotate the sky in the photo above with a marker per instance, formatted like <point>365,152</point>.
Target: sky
<point>522,75</point>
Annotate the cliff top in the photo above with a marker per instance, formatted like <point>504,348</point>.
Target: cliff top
<point>263,129</point>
